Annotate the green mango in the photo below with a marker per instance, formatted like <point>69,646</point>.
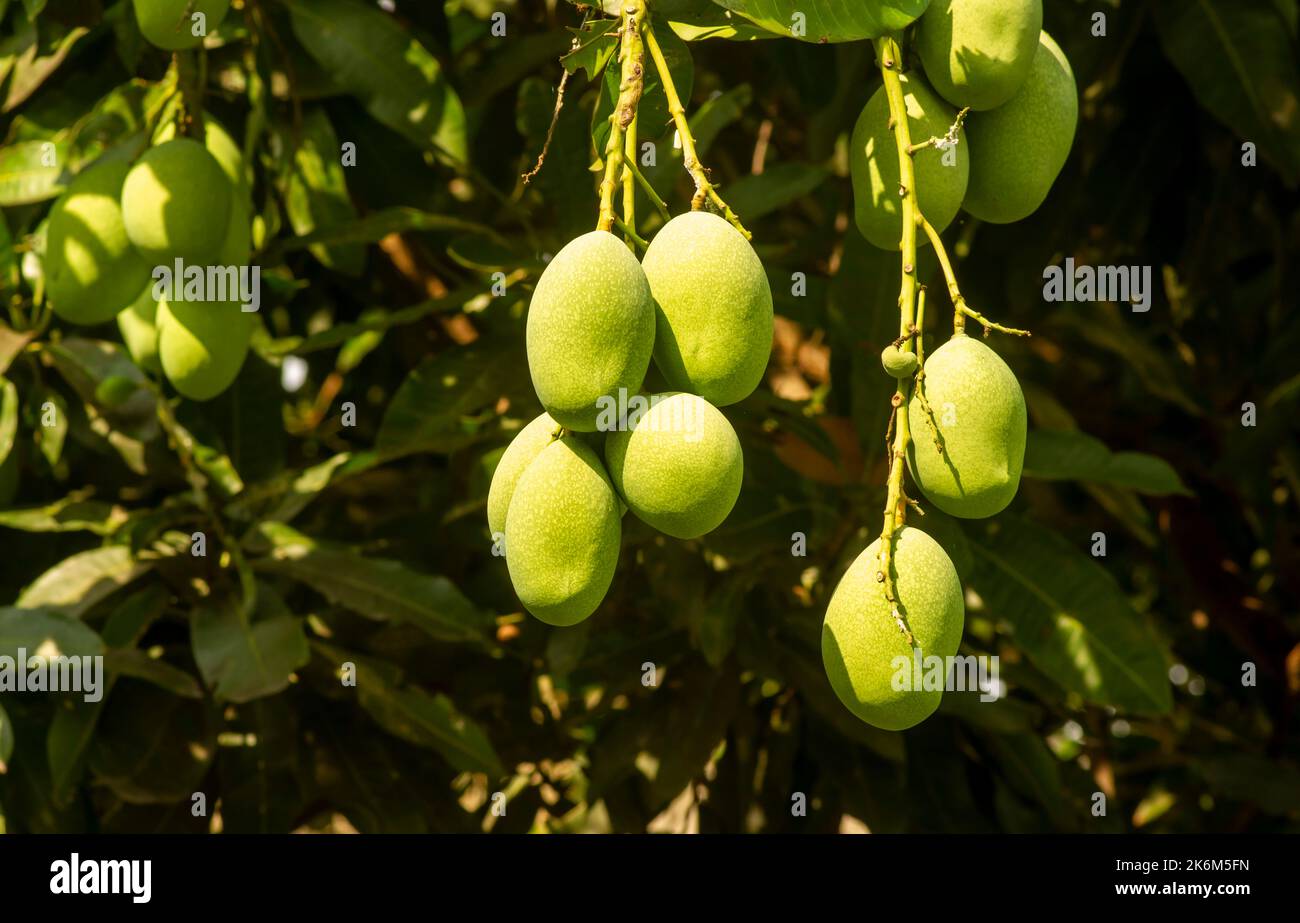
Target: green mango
<point>91,269</point>
<point>873,165</point>
<point>979,410</point>
<point>1018,149</point>
<point>713,308</point>
<point>898,363</point>
<point>678,466</point>
<point>169,24</point>
<point>219,144</point>
<point>977,53</point>
<point>563,532</point>
<point>863,649</point>
<point>591,329</point>
<point>138,324</point>
<point>202,345</point>
<point>176,203</point>
<point>523,449</point>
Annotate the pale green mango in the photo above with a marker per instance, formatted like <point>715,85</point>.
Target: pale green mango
<point>679,467</point>
<point>1018,149</point>
<point>202,345</point>
<point>898,363</point>
<point>977,53</point>
<point>863,649</point>
<point>591,329</point>
<point>979,410</point>
<point>873,165</point>
<point>713,308</point>
<point>219,144</point>
<point>563,532</point>
<point>139,326</point>
<point>169,24</point>
<point>91,269</point>
<point>526,446</point>
<point>176,203</point>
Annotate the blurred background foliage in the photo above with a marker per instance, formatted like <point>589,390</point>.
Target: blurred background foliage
<point>367,543</point>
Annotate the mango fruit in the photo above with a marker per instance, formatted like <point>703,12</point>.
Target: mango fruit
<point>523,449</point>
<point>713,308</point>
<point>219,143</point>
<point>873,165</point>
<point>862,644</point>
<point>898,363</point>
<point>1018,149</point>
<point>563,532</point>
<point>176,203</point>
<point>679,467</point>
<point>91,269</point>
<point>202,345</point>
<point>979,411</point>
<point>169,24</point>
<point>138,323</point>
<point>590,330</point>
<point>977,53</point>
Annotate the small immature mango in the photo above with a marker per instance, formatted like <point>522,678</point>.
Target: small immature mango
<point>563,533</point>
<point>526,446</point>
<point>591,329</point>
<point>176,203</point>
<point>979,411</point>
<point>863,649</point>
<point>1018,149</point>
<point>713,308</point>
<point>679,466</point>
<point>977,53</point>
<point>171,24</point>
<point>91,269</point>
<point>898,363</point>
<point>873,164</point>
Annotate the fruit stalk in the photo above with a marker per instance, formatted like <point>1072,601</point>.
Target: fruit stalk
<point>629,181</point>
<point>961,310</point>
<point>632,59</point>
<point>704,189</point>
<point>896,500</point>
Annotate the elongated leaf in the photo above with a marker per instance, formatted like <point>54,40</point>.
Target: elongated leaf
<point>377,226</point>
<point>377,588</point>
<point>1070,616</point>
<point>1240,61</point>
<point>247,658</point>
<point>71,514</point>
<point>829,20</point>
<point>1057,455</point>
<point>77,583</point>
<point>755,196</point>
<point>139,665</point>
<point>46,632</point>
<point>6,743</point>
<point>8,417</point>
<point>31,171</point>
<point>372,57</point>
<point>317,196</point>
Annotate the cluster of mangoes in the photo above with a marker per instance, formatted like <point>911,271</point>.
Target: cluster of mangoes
<point>993,57</point>
<point>699,304</point>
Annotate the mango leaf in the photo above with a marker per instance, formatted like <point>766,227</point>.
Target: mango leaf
<point>373,58</point>
<point>73,513</point>
<point>376,226</point>
<point>6,744</point>
<point>247,657</point>
<point>376,588</point>
<point>1240,61</point>
<point>36,64</point>
<point>1058,455</point>
<point>820,21</point>
<point>1070,616</point>
<point>8,417</point>
<point>78,582</point>
<point>47,632</point>
<point>429,721</point>
<point>52,411</point>
<point>317,192</point>
<point>754,196</point>
<point>31,171</point>
<point>595,46</point>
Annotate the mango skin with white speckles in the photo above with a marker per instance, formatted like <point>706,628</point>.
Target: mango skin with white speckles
<point>523,449</point>
<point>680,467</point>
<point>563,533</point>
<point>861,639</point>
<point>873,165</point>
<point>591,329</point>
<point>979,410</point>
<point>1018,149</point>
<point>713,308</point>
<point>978,53</point>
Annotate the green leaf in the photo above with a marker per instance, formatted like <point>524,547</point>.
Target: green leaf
<point>54,424</point>
<point>8,417</point>
<point>376,226</point>
<point>47,632</point>
<point>376,588</point>
<point>74,513</point>
<point>595,48</point>
<point>417,717</point>
<point>317,192</point>
<point>752,197</point>
<point>372,57</point>
<point>31,171</point>
<point>821,21</point>
<point>1069,616</point>
<point>78,582</point>
<point>6,747</point>
<point>140,665</point>
<point>1060,455</point>
<point>1240,61</point>
<point>245,657</point>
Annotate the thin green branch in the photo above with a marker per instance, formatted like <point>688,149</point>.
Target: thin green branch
<point>651,193</point>
<point>629,182</point>
<point>631,235</point>
<point>961,310</point>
